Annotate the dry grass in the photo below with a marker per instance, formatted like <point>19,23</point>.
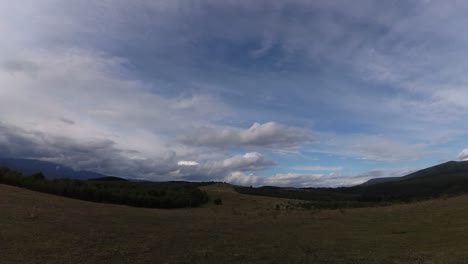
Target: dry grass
<point>41,228</point>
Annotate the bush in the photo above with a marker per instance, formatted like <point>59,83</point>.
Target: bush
<point>218,201</point>
<point>38,176</point>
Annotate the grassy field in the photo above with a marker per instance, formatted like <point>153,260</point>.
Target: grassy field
<point>42,228</point>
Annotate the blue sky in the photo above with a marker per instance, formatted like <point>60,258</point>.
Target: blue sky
<point>292,93</point>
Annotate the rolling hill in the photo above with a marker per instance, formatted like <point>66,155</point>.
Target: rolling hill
<point>447,179</point>
<point>42,228</point>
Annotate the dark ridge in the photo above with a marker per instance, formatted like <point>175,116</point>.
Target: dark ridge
<point>109,179</point>
<point>380,180</point>
<point>447,168</point>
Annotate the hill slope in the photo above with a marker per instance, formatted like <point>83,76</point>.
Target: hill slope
<point>109,179</point>
<point>380,180</point>
<point>446,169</point>
<point>450,178</point>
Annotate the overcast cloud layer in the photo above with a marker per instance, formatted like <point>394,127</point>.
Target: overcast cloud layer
<point>294,93</point>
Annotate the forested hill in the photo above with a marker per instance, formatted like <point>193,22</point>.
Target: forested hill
<point>113,190</point>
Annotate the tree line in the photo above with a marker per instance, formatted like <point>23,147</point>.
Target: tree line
<point>138,194</point>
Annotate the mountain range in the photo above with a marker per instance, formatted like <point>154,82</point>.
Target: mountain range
<point>450,177</point>
<point>50,169</point>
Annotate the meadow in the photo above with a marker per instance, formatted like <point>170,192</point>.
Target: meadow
<point>43,228</point>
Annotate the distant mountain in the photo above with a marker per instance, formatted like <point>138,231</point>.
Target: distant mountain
<point>109,179</point>
<point>443,180</point>
<point>449,178</point>
<point>49,169</point>
<point>441,170</point>
<point>447,168</point>
<point>380,180</point>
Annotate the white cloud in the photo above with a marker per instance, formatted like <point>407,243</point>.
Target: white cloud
<point>313,180</point>
<point>218,169</point>
<point>268,135</point>
<point>80,97</point>
<point>291,180</point>
<point>87,90</point>
<point>239,178</point>
<point>187,163</point>
<point>84,86</point>
<point>107,156</point>
<point>463,156</point>
<point>247,162</point>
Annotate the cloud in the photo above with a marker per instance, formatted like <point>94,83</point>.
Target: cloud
<point>105,156</point>
<point>83,84</point>
<point>99,104</point>
<point>248,162</point>
<point>371,147</point>
<point>291,180</point>
<point>187,163</point>
<point>74,108</point>
<point>87,86</point>
<point>239,178</point>
<point>381,148</point>
<point>219,169</point>
<point>313,180</point>
<point>67,121</point>
<point>316,168</point>
<point>463,156</point>
<point>100,155</point>
<point>269,135</point>
<point>382,173</point>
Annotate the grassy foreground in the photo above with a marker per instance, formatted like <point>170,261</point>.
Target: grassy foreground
<point>42,228</point>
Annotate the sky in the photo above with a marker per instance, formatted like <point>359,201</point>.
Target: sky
<point>287,93</point>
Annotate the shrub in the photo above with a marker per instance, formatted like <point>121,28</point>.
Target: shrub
<point>38,176</point>
<point>218,201</point>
